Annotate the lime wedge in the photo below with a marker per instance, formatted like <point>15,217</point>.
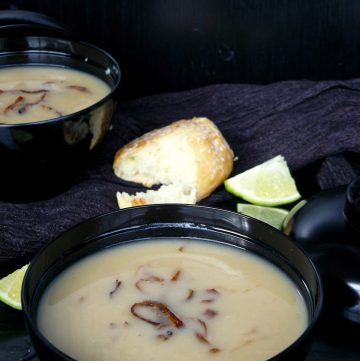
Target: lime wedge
<point>267,184</point>
<point>288,221</point>
<point>10,288</point>
<point>270,215</point>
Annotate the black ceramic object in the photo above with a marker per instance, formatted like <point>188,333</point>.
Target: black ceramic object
<point>320,220</point>
<point>38,159</point>
<point>327,227</point>
<point>352,211</point>
<point>209,224</point>
<point>20,23</point>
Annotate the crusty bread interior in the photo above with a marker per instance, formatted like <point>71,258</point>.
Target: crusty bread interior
<point>191,154</point>
<point>172,193</point>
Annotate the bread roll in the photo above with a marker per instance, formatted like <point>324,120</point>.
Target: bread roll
<point>188,153</point>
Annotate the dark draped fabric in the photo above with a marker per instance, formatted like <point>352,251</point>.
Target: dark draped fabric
<point>314,125</point>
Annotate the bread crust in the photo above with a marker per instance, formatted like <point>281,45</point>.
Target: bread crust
<point>199,139</point>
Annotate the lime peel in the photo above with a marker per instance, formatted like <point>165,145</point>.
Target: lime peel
<point>267,184</point>
<point>270,215</point>
<point>10,288</point>
<point>287,224</point>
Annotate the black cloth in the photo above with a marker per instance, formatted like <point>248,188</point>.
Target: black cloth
<point>314,125</point>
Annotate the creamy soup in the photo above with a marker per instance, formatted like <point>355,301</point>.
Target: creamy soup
<point>34,93</point>
<point>172,300</point>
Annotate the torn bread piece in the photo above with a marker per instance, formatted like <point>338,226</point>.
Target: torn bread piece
<point>191,154</point>
<point>172,193</point>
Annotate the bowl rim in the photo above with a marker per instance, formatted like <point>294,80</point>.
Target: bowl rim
<point>313,318</point>
<point>78,113</point>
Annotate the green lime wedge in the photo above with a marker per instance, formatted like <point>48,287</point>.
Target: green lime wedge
<point>10,288</point>
<point>267,184</point>
<point>270,215</point>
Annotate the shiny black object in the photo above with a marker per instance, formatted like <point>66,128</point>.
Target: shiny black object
<point>146,222</point>
<point>40,159</point>
<point>327,227</point>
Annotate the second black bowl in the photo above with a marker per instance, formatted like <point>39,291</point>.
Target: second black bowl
<point>38,159</point>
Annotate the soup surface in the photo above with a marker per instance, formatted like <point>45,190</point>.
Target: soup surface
<point>35,93</point>
<point>172,300</point>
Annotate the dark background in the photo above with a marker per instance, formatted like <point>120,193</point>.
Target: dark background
<point>169,45</point>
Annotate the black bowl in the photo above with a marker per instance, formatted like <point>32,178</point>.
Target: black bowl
<point>39,159</point>
<point>209,224</point>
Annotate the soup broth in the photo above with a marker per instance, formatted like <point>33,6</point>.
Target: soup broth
<point>35,93</point>
<point>172,299</point>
